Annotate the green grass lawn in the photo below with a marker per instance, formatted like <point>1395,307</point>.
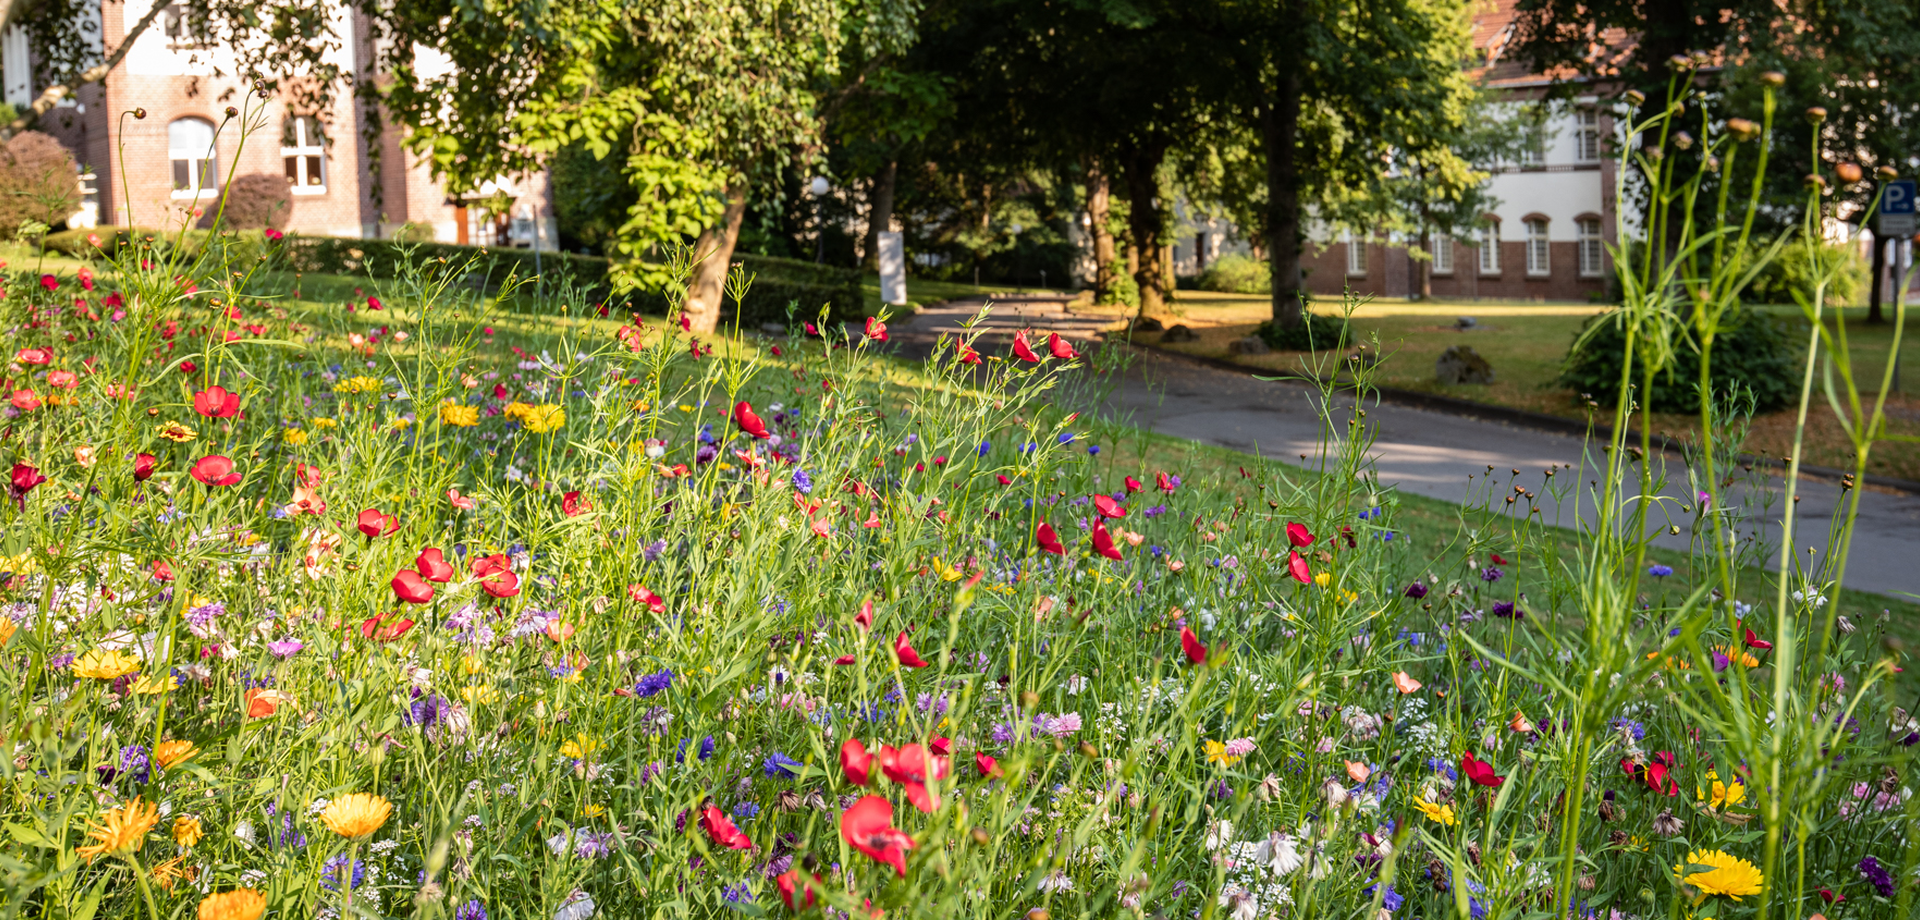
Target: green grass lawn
<point>923,292</point>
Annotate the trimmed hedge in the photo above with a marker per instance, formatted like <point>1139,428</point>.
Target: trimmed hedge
<point>777,282</point>
<point>1758,353</point>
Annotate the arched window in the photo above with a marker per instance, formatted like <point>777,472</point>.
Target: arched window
<point>303,148</point>
<point>190,147</point>
<point>1490,248</point>
<point>1537,247</point>
<point>1593,249</point>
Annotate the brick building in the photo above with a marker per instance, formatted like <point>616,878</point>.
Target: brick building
<point>161,169</point>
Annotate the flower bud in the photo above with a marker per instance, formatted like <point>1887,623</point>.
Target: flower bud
<point>1817,181</point>
<point>1816,114</point>
<point>1654,153</point>
<point>139,113</point>
<point>1634,97</point>
<point>1683,140</point>
<point>1742,129</point>
<point>1887,173</point>
<point>1849,173</point>
<point>1680,62</point>
<point>1773,78</point>
<point>231,111</point>
<point>1713,164</point>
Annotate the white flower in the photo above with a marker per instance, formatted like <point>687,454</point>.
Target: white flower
<point>1056,881</point>
<point>1336,794</point>
<point>579,906</point>
<point>243,832</point>
<point>1278,853</point>
<point>560,843</point>
<point>1076,684</point>
<point>1219,834</point>
<point>1241,903</point>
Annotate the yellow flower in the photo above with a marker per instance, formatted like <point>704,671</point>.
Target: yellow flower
<point>1726,874</point>
<point>1323,579</point>
<point>1440,813</point>
<point>1736,653</point>
<point>294,436</point>
<point>324,422</point>
<point>593,811</point>
<point>1217,753</point>
<point>400,424</point>
<point>6,630</point>
<point>121,830</point>
<point>176,432</point>
<point>581,746</point>
<point>356,814</point>
<point>459,416</point>
<point>105,665</point>
<point>544,418</point>
<point>239,904</point>
<point>472,664</point>
<point>479,696</point>
<point>172,753</point>
<point>1722,793</point>
<point>186,831</point>
<point>516,411</point>
<point>168,873</point>
<point>362,384</point>
<point>152,685</point>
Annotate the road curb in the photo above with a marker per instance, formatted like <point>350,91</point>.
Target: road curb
<point>1522,418</point>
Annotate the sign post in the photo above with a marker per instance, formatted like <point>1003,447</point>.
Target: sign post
<point>893,268</point>
<point>1896,220</point>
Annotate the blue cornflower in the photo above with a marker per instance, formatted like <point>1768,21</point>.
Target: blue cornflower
<point>1389,901</point>
<point>1659,571</point>
<point>737,893</point>
<point>654,684</point>
<point>1093,449</point>
<point>802,482</point>
<point>746,809</point>
<point>472,910</point>
<point>706,748</point>
<point>1066,437</point>
<point>778,765</point>
<point>1490,574</point>
<point>1029,447</point>
<point>330,872</point>
<point>985,446</point>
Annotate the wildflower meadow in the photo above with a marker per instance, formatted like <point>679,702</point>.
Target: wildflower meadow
<point>401,612</point>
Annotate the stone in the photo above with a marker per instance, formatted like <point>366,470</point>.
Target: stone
<point>1465,322</point>
<point>774,328</point>
<point>1148,324</point>
<point>1179,333</point>
<point>1249,345</point>
<point>1461,364</point>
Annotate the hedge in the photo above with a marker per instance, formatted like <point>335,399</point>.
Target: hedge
<point>777,282</point>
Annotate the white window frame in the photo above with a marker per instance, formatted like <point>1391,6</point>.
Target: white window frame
<point>1490,249</point>
<point>1539,249</point>
<point>1442,251</point>
<point>1593,250</point>
<point>306,157</point>
<point>1586,135</point>
<point>203,181</point>
<point>1356,256</point>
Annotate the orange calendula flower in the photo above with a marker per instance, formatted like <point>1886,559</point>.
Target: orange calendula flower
<point>356,814</point>
<point>186,831</point>
<point>172,871</point>
<point>239,904</point>
<point>1520,723</point>
<point>174,752</point>
<point>121,830</point>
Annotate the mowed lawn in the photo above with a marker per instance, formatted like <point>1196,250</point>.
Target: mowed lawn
<point>1526,344</point>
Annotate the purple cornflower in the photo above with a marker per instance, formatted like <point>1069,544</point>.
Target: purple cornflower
<point>1490,574</point>
<point>1506,609</point>
<point>654,550</point>
<point>330,872</point>
<point>472,910</point>
<point>654,684</point>
<point>1417,590</point>
<point>134,763</point>
<point>1878,876</point>
<point>780,766</point>
<point>737,893</point>
<point>1154,511</point>
<point>802,482</point>
<point>705,454</point>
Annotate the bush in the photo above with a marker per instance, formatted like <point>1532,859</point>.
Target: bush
<point>1757,353</point>
<point>1318,333</point>
<point>38,181</point>
<point>255,201</point>
<point>1234,273</point>
<point>1795,270</point>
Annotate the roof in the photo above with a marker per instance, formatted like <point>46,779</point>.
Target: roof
<point>1496,32</point>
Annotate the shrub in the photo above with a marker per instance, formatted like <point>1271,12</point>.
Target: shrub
<point>1757,353</point>
<point>1318,333</point>
<point>1234,273</point>
<point>38,181</point>
<point>1795,269</point>
<point>255,201</point>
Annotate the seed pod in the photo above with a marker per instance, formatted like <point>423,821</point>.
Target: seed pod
<point>140,113</point>
<point>1680,62</point>
<point>1742,129</point>
<point>1773,78</point>
<point>1816,114</point>
<point>1849,173</point>
<point>981,837</point>
<point>1887,173</point>
<point>1683,140</point>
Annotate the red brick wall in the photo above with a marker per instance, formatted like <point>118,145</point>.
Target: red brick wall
<point>1391,273</point>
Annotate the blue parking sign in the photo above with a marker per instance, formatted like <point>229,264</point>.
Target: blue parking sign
<point>1899,196</point>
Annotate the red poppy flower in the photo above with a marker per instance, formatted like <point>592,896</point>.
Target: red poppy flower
<point>1002,477</point>
<point>216,402</point>
<point>373,303</point>
<point>33,356</point>
<point>855,762</point>
<point>864,619</point>
<point>1479,771</point>
<point>967,354</point>
<point>722,831</point>
<point>214,471</point>
<point>571,504</point>
<point>1297,567</point>
<point>876,329</point>
<point>1754,641</point>
<point>1044,535</point>
<point>25,400</point>
<point>1166,483</point>
<point>751,424</point>
<point>376,523</point>
<point>1298,535</point>
<point>1659,778</point>
<point>496,575</point>
<point>188,367</point>
<point>1497,560</point>
<point>986,766</point>
<point>1059,347</point>
<point>912,767</point>
<point>867,825</point>
<point>1133,485</point>
<point>639,594</point>
<point>263,703</point>
<point>1103,541</point>
<point>433,566</point>
<point>940,744</point>
<point>1190,643</point>
<point>162,572</point>
<point>791,884</point>
<point>65,380</point>
<point>1828,895</point>
<point>903,650</point>
<point>385,627</point>
<point>1022,350</point>
<point>1108,507</point>
<point>50,282</point>
<point>143,466</point>
<point>409,586</point>
<point>24,479</point>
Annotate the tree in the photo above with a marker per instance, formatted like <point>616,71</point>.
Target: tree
<point>1446,194</point>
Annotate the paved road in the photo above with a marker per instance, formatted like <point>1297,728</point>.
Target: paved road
<point>1429,453</point>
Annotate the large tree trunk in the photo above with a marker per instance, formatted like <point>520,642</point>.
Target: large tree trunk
<point>1142,166</point>
<point>1099,196</point>
<point>879,213</point>
<point>1279,126</point>
<point>714,249</point>
<point>1879,276</point>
